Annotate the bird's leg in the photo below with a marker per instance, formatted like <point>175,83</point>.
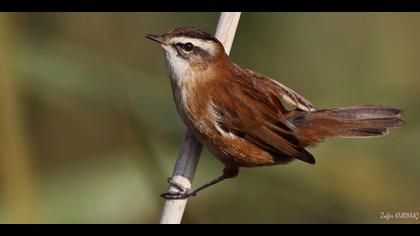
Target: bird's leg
<point>183,193</point>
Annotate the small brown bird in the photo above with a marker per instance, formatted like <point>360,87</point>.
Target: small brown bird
<point>239,115</point>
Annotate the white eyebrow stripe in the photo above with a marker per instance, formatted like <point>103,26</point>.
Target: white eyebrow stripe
<point>206,45</point>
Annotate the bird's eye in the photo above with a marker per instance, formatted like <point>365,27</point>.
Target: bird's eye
<point>188,46</point>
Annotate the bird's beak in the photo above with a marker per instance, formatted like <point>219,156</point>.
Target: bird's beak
<point>160,39</point>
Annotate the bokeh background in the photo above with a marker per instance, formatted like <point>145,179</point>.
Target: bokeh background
<point>89,132</point>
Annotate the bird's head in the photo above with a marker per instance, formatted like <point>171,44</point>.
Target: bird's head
<point>189,49</point>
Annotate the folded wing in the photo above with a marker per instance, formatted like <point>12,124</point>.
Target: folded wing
<point>253,111</point>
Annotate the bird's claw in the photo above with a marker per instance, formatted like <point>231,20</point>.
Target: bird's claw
<point>177,195</point>
<point>181,193</point>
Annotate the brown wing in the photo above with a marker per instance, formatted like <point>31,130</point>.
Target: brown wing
<point>252,110</point>
<point>286,94</point>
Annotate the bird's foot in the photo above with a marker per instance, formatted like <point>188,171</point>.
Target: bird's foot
<point>180,193</point>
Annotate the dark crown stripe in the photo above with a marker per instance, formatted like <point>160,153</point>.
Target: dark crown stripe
<point>192,32</point>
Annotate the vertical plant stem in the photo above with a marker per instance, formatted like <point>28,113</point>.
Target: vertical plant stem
<point>189,154</point>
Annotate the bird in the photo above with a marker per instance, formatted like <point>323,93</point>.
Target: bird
<point>247,119</point>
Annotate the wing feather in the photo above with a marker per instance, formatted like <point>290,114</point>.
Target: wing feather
<point>251,110</point>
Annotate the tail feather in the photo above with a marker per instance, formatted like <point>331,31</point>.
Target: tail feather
<point>355,121</point>
<point>365,132</point>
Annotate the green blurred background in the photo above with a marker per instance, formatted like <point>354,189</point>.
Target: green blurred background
<point>89,132</point>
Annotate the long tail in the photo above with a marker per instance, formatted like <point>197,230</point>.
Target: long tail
<point>355,121</point>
